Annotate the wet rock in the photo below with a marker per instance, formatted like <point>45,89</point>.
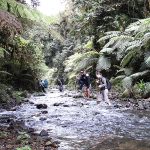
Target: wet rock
<point>30,130</point>
<point>39,94</point>
<point>77,96</point>
<point>140,105</point>
<point>117,105</point>
<point>20,123</point>
<point>146,104</point>
<point>41,106</point>
<point>31,103</point>
<point>44,133</point>
<point>26,100</point>
<point>7,118</point>
<point>65,105</point>
<point>51,144</point>
<point>128,105</point>
<point>44,112</point>
<point>96,113</point>
<point>57,104</point>
<point>43,118</point>
<point>48,143</point>
<point>13,109</point>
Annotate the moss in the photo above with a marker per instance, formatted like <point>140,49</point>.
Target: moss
<point>24,148</point>
<point>23,138</point>
<point>3,5</point>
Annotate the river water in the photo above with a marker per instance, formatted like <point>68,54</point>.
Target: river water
<point>79,124</point>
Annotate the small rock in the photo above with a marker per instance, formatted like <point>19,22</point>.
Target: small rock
<point>26,100</point>
<point>43,133</point>
<point>31,103</point>
<point>65,105</point>
<point>30,130</point>
<point>43,118</point>
<point>96,113</point>
<point>140,105</point>
<point>41,106</point>
<point>48,143</point>
<point>9,146</point>
<point>13,109</point>
<point>44,112</point>
<point>57,104</point>
<point>118,106</point>
<point>128,105</point>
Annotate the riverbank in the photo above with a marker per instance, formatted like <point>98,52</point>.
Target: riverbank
<point>15,137</point>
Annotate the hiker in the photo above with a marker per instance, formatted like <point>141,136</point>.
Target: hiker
<point>45,83</point>
<point>84,82</point>
<point>41,83</point>
<point>60,83</point>
<point>103,88</point>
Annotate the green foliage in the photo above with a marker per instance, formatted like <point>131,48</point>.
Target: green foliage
<point>23,138</point>
<point>104,63</point>
<point>5,95</point>
<point>24,148</point>
<point>80,61</point>
<point>141,86</point>
<point>89,45</point>
<point>25,12</point>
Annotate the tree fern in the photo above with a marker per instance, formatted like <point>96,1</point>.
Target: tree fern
<point>125,61</point>
<point>104,63</point>
<point>107,50</point>
<point>109,35</point>
<point>147,61</point>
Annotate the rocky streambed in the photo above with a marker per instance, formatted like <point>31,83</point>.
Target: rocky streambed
<point>65,121</point>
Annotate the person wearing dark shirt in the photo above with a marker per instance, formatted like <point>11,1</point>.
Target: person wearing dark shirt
<point>60,83</point>
<point>84,82</point>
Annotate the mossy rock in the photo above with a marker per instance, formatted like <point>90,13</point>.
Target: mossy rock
<point>24,148</point>
<point>19,95</point>
<point>23,136</point>
<point>117,80</point>
<point>127,93</point>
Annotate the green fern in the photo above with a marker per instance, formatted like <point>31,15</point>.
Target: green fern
<point>104,63</point>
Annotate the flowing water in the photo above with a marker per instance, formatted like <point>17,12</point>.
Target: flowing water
<point>85,125</point>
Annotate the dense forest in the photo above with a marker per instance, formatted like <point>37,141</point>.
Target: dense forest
<point>110,36</point>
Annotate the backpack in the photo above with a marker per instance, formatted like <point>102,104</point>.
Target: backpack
<point>108,84</point>
<point>45,83</point>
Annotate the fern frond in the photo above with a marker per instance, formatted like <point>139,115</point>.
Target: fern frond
<point>134,44</point>
<point>104,63</point>
<point>107,50</point>
<point>146,38</point>
<point>5,72</point>
<point>84,64</point>
<point>109,35</point>
<point>147,62</point>
<point>119,40</point>
<point>127,58</point>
